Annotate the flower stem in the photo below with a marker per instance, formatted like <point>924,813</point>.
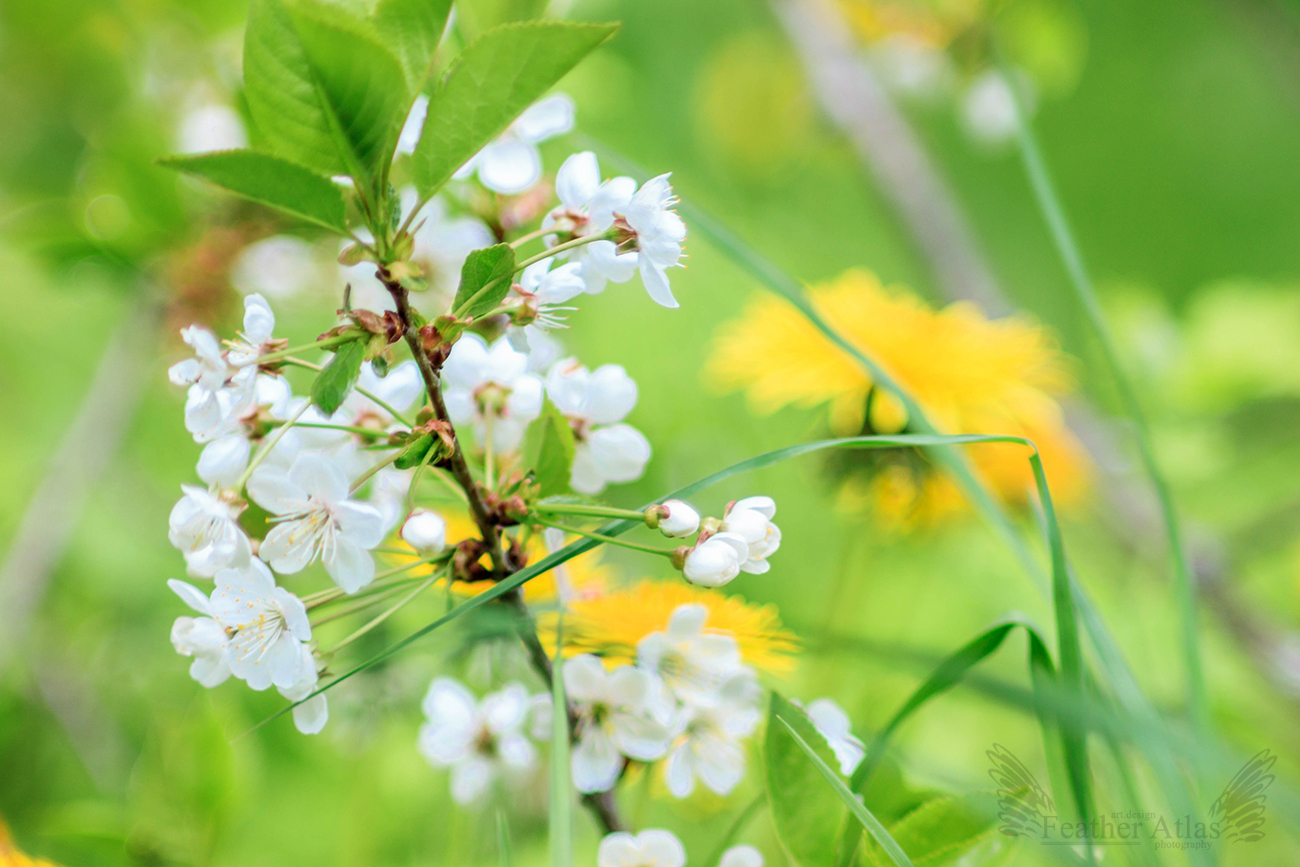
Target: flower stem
<point>609,540</point>
<point>364,431</point>
<point>386,614</point>
<point>267,446</point>
<point>364,477</point>
<point>283,354</point>
<point>594,511</point>
<point>298,362</point>
<point>459,312</point>
<point>488,452</point>
<point>532,236</point>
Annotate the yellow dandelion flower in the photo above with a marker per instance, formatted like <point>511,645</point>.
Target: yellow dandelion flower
<point>969,373</point>
<point>611,624</point>
<point>931,22</point>
<point>10,856</point>
<point>584,575</point>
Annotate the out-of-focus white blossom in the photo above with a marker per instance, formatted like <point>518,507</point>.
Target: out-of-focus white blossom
<point>741,856</point>
<point>834,724</point>
<point>203,638</point>
<point>511,163</point>
<point>206,530</point>
<point>479,741</point>
<point>280,267</point>
<point>613,721</point>
<point>596,402</point>
<point>711,746</point>
<point>210,128</point>
<point>425,531</point>
<point>315,518</point>
<point>988,109</point>
<point>691,662</point>
<point>653,847</point>
<point>491,388</point>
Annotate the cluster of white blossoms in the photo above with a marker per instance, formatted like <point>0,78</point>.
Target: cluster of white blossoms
<point>656,847</point>
<point>740,541</point>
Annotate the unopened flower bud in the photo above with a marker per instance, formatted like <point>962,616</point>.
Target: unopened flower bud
<point>425,531</point>
<point>716,561</point>
<point>674,518</point>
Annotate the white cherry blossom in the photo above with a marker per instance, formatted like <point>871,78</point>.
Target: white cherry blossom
<point>613,721</point>
<point>267,626</point>
<point>259,323</point>
<point>711,747</point>
<point>653,847</point>
<point>512,164</point>
<point>200,637</point>
<point>834,724</point>
<point>310,716</point>
<point>717,560</point>
<point>211,127</point>
<point>677,519</point>
<point>596,402</point>
<point>741,856</point>
<point>315,518</point>
<point>425,531</point>
<point>587,207</point>
<point>218,394</point>
<point>659,236</point>
<point>280,266</point>
<point>479,741</point>
<point>223,460</point>
<point>692,662</point>
<point>206,530</point>
<point>491,388</point>
<point>751,519</point>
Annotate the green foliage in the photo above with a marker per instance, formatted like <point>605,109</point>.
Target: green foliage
<point>484,280</point>
<point>335,381</point>
<point>493,81</point>
<point>412,454</point>
<point>548,449</point>
<point>940,831</point>
<point>858,811</point>
<point>413,29</point>
<point>474,18</point>
<point>323,88</point>
<point>561,813</point>
<point>272,181</point>
<point>806,814</point>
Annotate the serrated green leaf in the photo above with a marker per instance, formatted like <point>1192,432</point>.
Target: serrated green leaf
<point>413,29</point>
<point>940,831</point>
<point>548,449</point>
<point>807,814</point>
<point>484,280</point>
<point>280,87</point>
<point>360,81</point>
<point>498,76</point>
<point>472,19</point>
<point>335,381</point>
<point>272,181</point>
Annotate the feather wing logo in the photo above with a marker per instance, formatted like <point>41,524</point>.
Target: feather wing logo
<point>1023,805</point>
<point>1241,806</point>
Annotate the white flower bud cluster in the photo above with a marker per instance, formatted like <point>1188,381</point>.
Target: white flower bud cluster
<point>741,541</point>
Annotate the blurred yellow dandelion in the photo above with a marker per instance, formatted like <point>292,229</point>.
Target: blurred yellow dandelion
<point>610,625</point>
<point>969,373</point>
<point>10,856</point>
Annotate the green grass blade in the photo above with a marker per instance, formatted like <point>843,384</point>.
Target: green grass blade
<point>1054,214</point>
<point>861,813</point>
<point>504,857</point>
<point>561,814</point>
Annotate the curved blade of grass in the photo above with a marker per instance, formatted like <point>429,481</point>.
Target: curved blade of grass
<point>861,813</point>
<point>503,840</point>
<point>1049,203</point>
<point>561,814</point>
<point>616,528</point>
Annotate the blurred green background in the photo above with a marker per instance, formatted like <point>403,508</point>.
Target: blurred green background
<point>1174,133</point>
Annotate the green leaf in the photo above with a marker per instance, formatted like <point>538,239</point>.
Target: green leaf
<point>413,29</point>
<point>280,86</point>
<point>949,672</point>
<point>494,80</point>
<point>841,791</point>
<point>548,449</point>
<point>474,18</point>
<point>503,840</point>
<point>807,815</point>
<point>333,383</point>
<point>941,831</point>
<point>272,181</point>
<point>484,281</point>
<point>360,82</point>
<point>412,454</point>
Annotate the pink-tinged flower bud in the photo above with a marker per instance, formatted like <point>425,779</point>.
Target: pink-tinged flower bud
<point>425,531</point>
<point>716,561</point>
<point>674,518</point>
